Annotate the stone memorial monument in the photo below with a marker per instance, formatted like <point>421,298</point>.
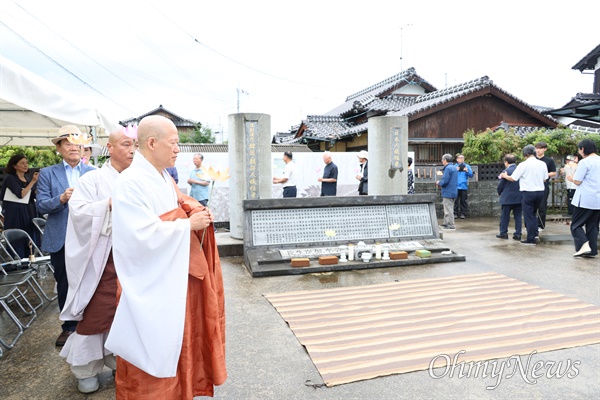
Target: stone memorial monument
<point>388,159</point>
<point>249,164</point>
<point>282,233</point>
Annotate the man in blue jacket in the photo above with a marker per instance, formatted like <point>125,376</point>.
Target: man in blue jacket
<point>464,173</point>
<point>448,183</point>
<point>510,200</point>
<point>55,187</point>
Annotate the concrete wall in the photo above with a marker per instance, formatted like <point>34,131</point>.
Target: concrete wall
<point>483,199</point>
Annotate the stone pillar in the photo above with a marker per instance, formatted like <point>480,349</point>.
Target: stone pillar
<point>388,155</point>
<point>249,165</point>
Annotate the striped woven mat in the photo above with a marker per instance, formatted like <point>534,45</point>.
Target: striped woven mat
<point>357,333</point>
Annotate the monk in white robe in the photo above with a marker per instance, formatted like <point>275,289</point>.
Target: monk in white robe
<point>91,298</point>
<point>168,332</point>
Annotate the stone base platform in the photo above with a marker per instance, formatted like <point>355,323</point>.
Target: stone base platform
<point>271,262</point>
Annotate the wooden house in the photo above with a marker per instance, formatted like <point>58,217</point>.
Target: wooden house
<point>183,125</point>
<point>437,118</point>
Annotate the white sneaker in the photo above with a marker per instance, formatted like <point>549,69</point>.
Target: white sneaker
<point>584,250</point>
<point>88,385</point>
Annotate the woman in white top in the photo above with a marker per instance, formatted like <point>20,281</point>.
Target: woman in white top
<point>586,201</point>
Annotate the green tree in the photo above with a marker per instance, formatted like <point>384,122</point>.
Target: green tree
<point>200,134</point>
<point>38,157</point>
<point>561,141</point>
<point>594,137</point>
<point>489,147</point>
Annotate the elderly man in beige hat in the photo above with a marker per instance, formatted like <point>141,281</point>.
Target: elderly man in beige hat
<point>363,177</point>
<point>55,187</point>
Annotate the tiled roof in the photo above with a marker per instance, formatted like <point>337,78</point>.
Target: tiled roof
<point>519,130</point>
<point>365,96</point>
<point>333,126</point>
<point>326,127</point>
<point>391,103</point>
<point>177,120</point>
<point>437,98</point>
<point>584,106</point>
<point>588,62</point>
<point>284,137</point>
<point>584,98</point>
<point>384,85</point>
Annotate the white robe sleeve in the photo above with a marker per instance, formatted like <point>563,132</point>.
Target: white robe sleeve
<point>87,247</point>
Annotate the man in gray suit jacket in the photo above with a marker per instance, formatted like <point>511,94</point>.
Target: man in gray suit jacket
<point>55,186</point>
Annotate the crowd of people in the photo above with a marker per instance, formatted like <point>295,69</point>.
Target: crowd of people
<point>128,219</point>
<point>330,176</point>
<point>524,190</point>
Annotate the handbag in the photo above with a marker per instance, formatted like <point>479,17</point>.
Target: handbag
<point>10,196</point>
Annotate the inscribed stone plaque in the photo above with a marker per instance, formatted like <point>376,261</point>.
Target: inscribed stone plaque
<point>310,225</point>
<point>406,220</point>
<point>251,130</point>
<point>396,148</point>
<point>307,225</point>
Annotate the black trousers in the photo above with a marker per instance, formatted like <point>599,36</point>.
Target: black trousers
<point>531,204</point>
<point>62,284</point>
<point>590,219</point>
<point>570,194</point>
<point>543,207</point>
<point>289,191</point>
<point>517,210</point>
<point>460,203</point>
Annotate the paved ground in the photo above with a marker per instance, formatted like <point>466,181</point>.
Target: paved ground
<point>265,361</point>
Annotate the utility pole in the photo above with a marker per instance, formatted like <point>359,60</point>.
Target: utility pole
<point>239,91</point>
<point>401,29</point>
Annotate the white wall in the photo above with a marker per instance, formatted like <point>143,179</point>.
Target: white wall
<point>309,168</point>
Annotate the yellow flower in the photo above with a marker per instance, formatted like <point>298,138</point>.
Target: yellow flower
<point>394,227</point>
<point>216,175</point>
<point>330,233</point>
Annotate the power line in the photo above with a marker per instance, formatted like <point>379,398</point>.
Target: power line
<point>134,71</point>
<point>81,51</point>
<point>236,61</point>
<point>62,67</point>
<point>148,43</point>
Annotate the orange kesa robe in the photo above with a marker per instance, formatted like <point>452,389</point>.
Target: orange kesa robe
<point>202,361</point>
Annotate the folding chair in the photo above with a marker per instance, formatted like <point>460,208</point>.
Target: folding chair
<point>40,224</point>
<point>15,280</point>
<point>7,292</point>
<point>5,256</point>
<point>13,235</point>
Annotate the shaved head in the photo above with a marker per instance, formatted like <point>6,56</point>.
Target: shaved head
<point>153,126</point>
<point>114,136</point>
<point>159,141</point>
<point>121,148</point>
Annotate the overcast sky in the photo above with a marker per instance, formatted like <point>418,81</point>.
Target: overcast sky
<point>292,59</point>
